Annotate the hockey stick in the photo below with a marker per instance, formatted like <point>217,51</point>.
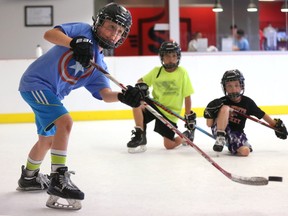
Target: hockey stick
<point>256,120</point>
<point>178,116</point>
<point>235,178</point>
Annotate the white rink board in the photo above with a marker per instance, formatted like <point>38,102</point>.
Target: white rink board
<point>265,74</point>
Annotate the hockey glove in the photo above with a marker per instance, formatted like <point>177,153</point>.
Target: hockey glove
<point>190,120</point>
<point>82,48</point>
<point>281,129</point>
<point>212,109</point>
<point>144,88</point>
<point>132,96</point>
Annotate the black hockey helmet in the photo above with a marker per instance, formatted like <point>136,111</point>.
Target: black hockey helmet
<point>169,47</point>
<point>233,75</point>
<point>117,14</point>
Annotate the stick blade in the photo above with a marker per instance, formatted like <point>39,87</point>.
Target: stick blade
<point>257,181</point>
<point>275,178</point>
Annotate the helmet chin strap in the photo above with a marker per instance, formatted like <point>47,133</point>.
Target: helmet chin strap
<point>234,95</point>
<point>169,66</point>
<point>106,45</point>
<point>101,42</point>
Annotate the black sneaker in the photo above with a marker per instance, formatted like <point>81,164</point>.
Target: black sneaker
<point>62,186</point>
<point>219,144</point>
<point>36,182</point>
<point>220,141</point>
<point>190,135</point>
<point>138,141</point>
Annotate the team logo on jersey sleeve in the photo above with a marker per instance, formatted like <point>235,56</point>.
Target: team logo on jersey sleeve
<point>70,70</point>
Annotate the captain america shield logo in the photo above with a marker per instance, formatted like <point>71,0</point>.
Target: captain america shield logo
<point>70,70</point>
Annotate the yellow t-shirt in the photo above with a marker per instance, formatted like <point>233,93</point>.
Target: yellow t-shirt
<point>169,89</point>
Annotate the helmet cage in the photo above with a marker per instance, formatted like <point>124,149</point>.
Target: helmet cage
<point>170,47</point>
<point>117,14</point>
<point>233,75</point>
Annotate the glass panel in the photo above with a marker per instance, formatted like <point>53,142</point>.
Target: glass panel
<point>265,29</point>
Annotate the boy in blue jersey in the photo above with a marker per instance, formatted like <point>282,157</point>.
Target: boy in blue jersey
<point>171,87</point>
<point>228,127</point>
<point>50,78</point>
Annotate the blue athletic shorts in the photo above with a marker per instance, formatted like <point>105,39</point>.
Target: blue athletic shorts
<point>46,107</point>
<point>235,139</point>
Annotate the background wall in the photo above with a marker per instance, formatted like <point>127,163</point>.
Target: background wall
<point>18,41</point>
<point>143,40</point>
<point>269,14</point>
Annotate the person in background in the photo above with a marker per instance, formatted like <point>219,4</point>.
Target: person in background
<point>270,34</point>
<point>228,127</point>
<point>233,34</point>
<point>192,45</point>
<point>242,43</point>
<point>51,77</point>
<point>171,87</point>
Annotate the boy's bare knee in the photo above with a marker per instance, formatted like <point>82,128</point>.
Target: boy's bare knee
<point>243,151</point>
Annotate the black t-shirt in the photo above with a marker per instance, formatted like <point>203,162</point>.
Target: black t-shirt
<point>246,106</point>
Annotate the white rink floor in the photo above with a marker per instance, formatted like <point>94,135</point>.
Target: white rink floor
<point>158,182</point>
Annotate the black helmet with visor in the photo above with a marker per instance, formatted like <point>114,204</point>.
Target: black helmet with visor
<point>117,14</point>
<point>233,75</point>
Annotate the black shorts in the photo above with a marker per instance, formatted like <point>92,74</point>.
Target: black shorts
<point>159,127</point>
